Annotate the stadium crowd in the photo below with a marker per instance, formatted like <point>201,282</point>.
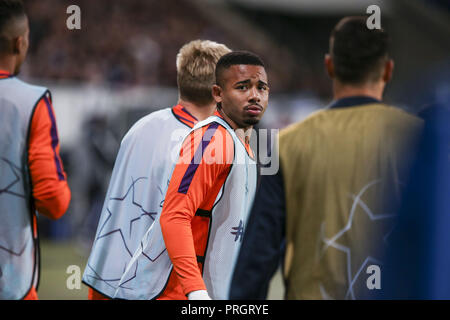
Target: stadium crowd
<point>129,44</point>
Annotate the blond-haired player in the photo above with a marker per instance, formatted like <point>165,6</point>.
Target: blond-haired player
<point>144,165</point>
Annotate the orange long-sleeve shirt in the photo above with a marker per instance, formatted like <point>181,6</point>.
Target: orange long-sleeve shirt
<point>51,192</point>
<point>195,183</point>
<point>203,166</point>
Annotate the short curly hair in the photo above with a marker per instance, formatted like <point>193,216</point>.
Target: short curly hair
<point>236,58</point>
<point>9,10</point>
<point>358,52</point>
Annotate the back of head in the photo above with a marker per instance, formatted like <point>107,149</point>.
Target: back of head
<point>196,63</point>
<point>12,12</point>
<point>358,52</point>
<point>236,58</point>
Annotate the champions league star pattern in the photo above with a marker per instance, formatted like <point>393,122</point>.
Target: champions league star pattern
<point>108,229</point>
<point>358,259</point>
<point>138,214</point>
<point>16,171</point>
<point>8,190</point>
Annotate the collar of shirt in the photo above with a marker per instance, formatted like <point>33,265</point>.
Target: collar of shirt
<point>353,101</point>
<point>5,74</point>
<point>245,142</point>
<point>184,116</point>
<point>217,113</point>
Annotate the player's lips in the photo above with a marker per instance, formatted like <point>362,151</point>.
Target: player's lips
<point>253,109</point>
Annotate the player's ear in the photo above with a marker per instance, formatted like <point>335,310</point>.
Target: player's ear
<point>329,65</point>
<point>17,44</point>
<point>388,70</point>
<point>217,93</point>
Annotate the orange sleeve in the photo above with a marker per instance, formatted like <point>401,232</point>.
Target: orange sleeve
<point>204,163</point>
<point>51,192</point>
<point>32,294</point>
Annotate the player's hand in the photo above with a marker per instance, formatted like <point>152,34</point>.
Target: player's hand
<point>198,295</point>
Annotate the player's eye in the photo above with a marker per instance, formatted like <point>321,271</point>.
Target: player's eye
<point>242,87</point>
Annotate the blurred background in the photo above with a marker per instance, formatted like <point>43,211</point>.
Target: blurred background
<point>121,66</point>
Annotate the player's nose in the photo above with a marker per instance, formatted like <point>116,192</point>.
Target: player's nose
<point>254,95</point>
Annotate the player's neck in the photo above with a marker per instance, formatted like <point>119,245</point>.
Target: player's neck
<point>7,63</point>
<point>374,90</point>
<point>243,133</point>
<point>199,112</point>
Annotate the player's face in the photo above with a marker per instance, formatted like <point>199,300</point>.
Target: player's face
<point>244,94</point>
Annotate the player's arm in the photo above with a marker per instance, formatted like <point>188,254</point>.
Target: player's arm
<point>198,176</point>
<point>51,192</point>
<point>264,240</point>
